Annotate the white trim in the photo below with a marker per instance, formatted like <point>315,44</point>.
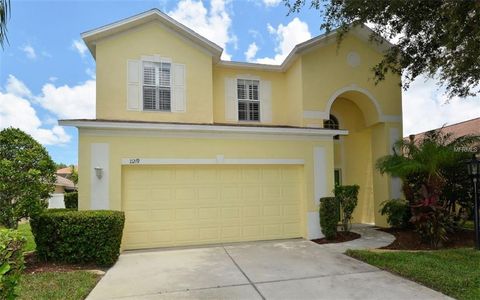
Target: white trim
<point>362,32</point>
<point>314,231</point>
<point>319,174</point>
<point>154,14</point>
<point>315,114</point>
<point>200,135</point>
<point>202,128</point>
<point>219,160</point>
<point>355,88</point>
<point>99,198</point>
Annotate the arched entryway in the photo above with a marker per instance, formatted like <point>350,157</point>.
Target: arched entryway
<point>355,154</point>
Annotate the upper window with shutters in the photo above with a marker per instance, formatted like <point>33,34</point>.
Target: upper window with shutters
<point>157,86</point>
<point>248,100</point>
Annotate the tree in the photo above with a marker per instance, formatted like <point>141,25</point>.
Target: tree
<point>4,16</point>
<point>424,164</point>
<point>438,38</point>
<point>27,177</point>
<point>74,175</point>
<point>429,168</point>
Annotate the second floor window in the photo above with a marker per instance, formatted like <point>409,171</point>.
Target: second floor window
<point>157,92</point>
<point>248,100</point>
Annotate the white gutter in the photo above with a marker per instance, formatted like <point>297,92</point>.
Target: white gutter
<point>202,128</point>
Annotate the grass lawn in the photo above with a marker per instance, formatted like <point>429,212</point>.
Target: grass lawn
<point>26,231</point>
<point>57,285</point>
<point>454,272</point>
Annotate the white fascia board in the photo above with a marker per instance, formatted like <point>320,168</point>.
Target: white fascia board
<point>91,36</point>
<point>202,128</point>
<point>362,32</point>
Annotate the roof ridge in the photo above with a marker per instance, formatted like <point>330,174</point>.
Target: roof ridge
<point>446,126</point>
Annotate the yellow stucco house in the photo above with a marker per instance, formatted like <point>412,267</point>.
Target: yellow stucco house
<point>197,150</point>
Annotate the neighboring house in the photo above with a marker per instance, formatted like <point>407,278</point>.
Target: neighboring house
<point>62,185</point>
<point>65,172</point>
<point>199,150</point>
<point>469,127</point>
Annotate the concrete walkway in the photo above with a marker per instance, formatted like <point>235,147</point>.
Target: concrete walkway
<point>370,239</point>
<point>289,269</point>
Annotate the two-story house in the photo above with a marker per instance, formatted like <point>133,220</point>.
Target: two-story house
<point>198,150</point>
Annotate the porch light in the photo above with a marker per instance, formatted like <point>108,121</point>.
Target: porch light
<point>99,172</point>
<point>473,166</point>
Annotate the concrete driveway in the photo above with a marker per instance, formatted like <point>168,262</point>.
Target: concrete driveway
<point>291,269</point>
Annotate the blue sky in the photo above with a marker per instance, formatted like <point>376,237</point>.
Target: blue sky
<point>46,72</point>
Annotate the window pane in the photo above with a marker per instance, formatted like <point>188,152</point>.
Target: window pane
<point>164,98</point>
<point>254,111</point>
<point>149,97</point>
<point>242,111</point>
<point>241,89</point>
<point>254,92</point>
<point>164,74</point>
<point>149,75</point>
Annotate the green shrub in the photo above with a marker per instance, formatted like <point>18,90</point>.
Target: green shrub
<point>79,236</point>
<point>11,262</point>
<point>329,217</point>
<point>397,212</point>
<point>347,196</point>
<point>71,200</point>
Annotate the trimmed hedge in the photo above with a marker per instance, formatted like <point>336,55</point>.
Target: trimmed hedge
<point>329,217</point>
<point>11,262</point>
<point>71,200</point>
<point>92,236</point>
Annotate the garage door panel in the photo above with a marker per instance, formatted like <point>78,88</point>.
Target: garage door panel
<point>208,212</point>
<point>187,205</point>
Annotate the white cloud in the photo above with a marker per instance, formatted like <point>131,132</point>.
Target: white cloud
<point>214,24</point>
<point>52,78</point>
<point>29,51</point>
<point>80,47</point>
<point>18,112</point>
<point>271,3</point>
<point>425,107</point>
<point>77,102</point>
<point>17,88</point>
<point>286,37</point>
<point>17,108</point>
<point>251,52</point>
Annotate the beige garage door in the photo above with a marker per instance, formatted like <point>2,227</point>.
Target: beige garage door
<point>188,205</point>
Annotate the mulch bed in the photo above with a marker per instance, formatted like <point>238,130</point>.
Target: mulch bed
<point>408,239</point>
<point>35,265</point>
<point>341,237</point>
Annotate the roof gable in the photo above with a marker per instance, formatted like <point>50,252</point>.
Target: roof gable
<point>362,32</point>
<point>92,36</point>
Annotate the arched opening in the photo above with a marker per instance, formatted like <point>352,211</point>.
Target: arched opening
<point>353,159</point>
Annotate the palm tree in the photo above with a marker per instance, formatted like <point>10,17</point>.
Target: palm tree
<point>425,161</point>
<point>425,167</point>
<point>4,15</point>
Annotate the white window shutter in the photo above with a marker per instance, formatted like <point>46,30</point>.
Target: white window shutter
<point>231,102</point>
<point>179,88</point>
<point>133,84</point>
<point>265,101</point>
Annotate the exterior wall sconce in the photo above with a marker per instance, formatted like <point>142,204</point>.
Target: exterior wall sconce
<point>99,172</point>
